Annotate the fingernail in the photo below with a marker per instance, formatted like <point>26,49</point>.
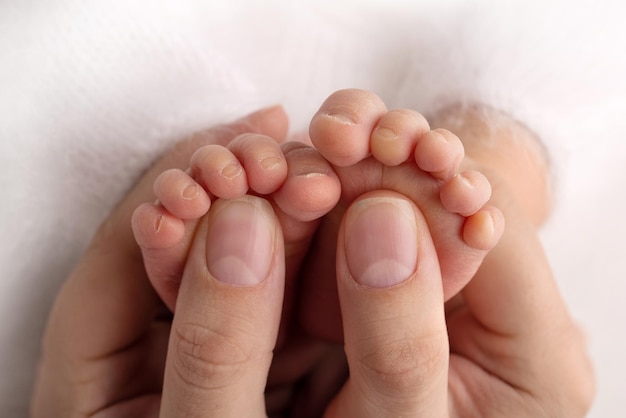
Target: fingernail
<point>381,242</point>
<point>240,241</point>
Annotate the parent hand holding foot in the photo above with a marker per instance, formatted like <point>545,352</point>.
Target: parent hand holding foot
<point>106,340</point>
<point>509,348</point>
<point>104,351</point>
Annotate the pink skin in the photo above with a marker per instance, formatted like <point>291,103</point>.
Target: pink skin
<point>371,149</point>
<point>302,184</point>
<point>360,147</point>
<point>509,346</point>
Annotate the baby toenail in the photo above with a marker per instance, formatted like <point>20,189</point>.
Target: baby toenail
<point>386,134</point>
<point>190,192</point>
<point>270,162</point>
<point>439,137</point>
<point>158,222</point>
<point>341,118</point>
<point>305,169</point>
<point>481,231</point>
<point>312,174</point>
<point>231,171</point>
<point>466,181</point>
<point>490,223</point>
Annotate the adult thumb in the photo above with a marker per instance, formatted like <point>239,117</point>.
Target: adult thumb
<point>228,313</point>
<point>392,306</point>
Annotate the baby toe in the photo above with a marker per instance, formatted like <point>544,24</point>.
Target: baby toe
<point>155,228</point>
<point>483,229</point>
<point>181,195</point>
<point>163,240</point>
<point>263,161</point>
<point>465,193</point>
<point>219,171</point>
<point>341,128</point>
<point>395,136</point>
<point>311,188</point>
<point>440,153</point>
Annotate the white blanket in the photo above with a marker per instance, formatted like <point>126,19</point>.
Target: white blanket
<point>91,92</point>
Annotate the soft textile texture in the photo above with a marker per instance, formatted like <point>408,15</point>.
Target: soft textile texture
<point>92,92</point>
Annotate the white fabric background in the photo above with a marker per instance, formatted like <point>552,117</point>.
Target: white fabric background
<point>91,92</point>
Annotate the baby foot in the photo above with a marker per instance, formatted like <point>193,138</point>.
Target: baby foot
<point>372,149</point>
<point>302,185</point>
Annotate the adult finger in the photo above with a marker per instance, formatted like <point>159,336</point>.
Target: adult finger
<point>392,305</point>
<point>228,314</point>
<point>107,303</point>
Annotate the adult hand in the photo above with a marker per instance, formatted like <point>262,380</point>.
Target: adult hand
<point>106,343</point>
<point>494,355</point>
<point>104,351</point>
<point>105,346</point>
<point>507,348</point>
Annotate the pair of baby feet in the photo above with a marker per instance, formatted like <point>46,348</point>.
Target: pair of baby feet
<point>361,149</point>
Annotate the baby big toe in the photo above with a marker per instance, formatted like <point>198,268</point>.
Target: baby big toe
<point>311,189</point>
<point>341,128</point>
